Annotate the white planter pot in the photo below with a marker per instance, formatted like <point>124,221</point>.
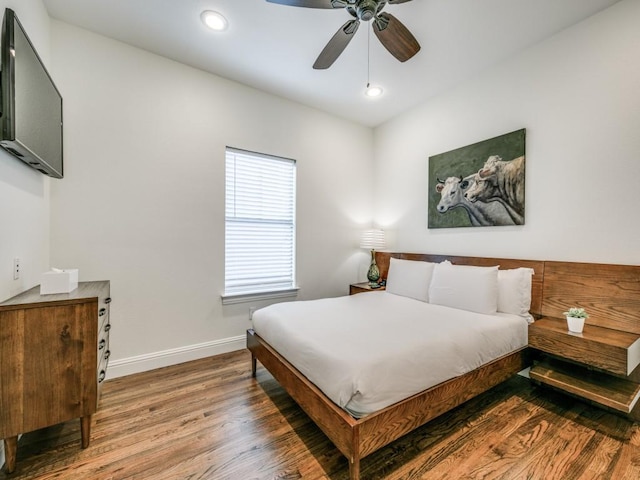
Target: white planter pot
<point>575,324</point>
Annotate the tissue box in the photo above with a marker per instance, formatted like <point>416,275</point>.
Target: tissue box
<point>62,281</point>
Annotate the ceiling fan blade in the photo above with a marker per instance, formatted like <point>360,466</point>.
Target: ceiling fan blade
<point>395,37</point>
<point>336,45</point>
<point>393,2</point>
<point>312,3</point>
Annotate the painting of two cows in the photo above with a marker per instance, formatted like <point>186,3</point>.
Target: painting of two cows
<point>479,185</point>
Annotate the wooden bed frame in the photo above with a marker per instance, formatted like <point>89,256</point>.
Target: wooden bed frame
<point>357,438</point>
<point>611,293</point>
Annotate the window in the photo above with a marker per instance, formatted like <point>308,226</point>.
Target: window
<point>260,226</point>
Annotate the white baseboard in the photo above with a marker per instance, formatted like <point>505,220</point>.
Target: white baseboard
<point>165,358</point>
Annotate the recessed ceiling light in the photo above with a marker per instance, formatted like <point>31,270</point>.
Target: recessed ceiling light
<point>373,91</point>
<point>214,20</point>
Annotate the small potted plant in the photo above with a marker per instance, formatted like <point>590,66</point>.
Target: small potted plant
<point>575,319</point>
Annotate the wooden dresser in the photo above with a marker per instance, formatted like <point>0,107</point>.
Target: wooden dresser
<point>54,351</point>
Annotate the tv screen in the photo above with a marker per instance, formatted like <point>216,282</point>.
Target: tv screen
<point>31,116</point>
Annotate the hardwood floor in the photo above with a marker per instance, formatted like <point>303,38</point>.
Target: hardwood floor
<point>208,419</point>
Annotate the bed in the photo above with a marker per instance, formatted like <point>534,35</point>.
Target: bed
<point>336,402</point>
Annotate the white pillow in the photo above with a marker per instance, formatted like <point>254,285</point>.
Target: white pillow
<point>465,287</point>
<point>409,278</point>
<point>514,292</point>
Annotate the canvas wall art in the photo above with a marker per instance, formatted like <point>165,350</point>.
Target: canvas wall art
<point>479,185</point>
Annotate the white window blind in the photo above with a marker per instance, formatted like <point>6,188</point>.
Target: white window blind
<point>259,223</point>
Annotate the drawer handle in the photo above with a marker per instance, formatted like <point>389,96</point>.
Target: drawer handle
<point>102,343</point>
<point>107,300</point>
<point>102,311</point>
<point>107,327</point>
<point>102,376</point>
<point>107,354</point>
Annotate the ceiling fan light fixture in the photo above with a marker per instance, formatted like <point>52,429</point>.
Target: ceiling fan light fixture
<point>373,91</point>
<point>366,9</point>
<point>390,31</point>
<point>214,20</point>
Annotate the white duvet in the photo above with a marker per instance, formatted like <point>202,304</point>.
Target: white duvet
<point>371,350</point>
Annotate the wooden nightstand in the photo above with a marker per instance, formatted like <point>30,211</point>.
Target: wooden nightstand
<point>600,364</point>
<point>363,287</point>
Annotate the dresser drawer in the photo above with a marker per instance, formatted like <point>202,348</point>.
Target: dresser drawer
<point>104,326</point>
<point>103,359</point>
<point>103,309</point>
<point>103,348</point>
<point>103,317</point>
<point>103,351</point>
<point>101,376</point>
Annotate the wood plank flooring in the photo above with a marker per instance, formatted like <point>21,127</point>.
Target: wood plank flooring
<point>208,419</point>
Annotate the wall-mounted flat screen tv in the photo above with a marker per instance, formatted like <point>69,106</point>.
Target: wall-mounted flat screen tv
<point>31,117</point>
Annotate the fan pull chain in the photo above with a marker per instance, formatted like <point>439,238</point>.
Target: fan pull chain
<point>370,91</point>
<point>368,55</point>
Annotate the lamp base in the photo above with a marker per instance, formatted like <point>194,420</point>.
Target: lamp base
<point>373,275</point>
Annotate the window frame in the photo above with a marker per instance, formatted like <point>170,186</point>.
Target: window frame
<point>229,296</point>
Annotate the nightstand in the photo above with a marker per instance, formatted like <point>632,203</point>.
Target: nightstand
<point>363,287</point>
<point>600,364</point>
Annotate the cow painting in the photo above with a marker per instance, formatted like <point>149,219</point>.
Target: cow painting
<point>484,184</point>
<point>453,195</point>
<point>500,182</point>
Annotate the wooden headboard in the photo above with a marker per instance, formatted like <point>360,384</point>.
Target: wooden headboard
<point>610,293</point>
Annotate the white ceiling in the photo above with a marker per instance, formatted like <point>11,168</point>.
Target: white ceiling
<point>272,47</point>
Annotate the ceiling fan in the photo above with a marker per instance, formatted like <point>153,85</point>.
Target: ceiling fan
<point>390,31</point>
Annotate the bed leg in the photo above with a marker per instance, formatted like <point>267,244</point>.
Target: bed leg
<point>254,365</point>
<point>354,469</point>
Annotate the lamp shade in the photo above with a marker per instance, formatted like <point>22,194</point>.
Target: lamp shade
<point>372,240</point>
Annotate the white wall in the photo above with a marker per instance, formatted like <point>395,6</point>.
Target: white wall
<point>142,201</point>
<point>578,96</point>
<point>24,192</point>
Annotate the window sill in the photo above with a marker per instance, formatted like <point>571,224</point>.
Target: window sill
<point>230,299</point>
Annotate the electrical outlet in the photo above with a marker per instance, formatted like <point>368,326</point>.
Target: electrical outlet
<point>16,268</point>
